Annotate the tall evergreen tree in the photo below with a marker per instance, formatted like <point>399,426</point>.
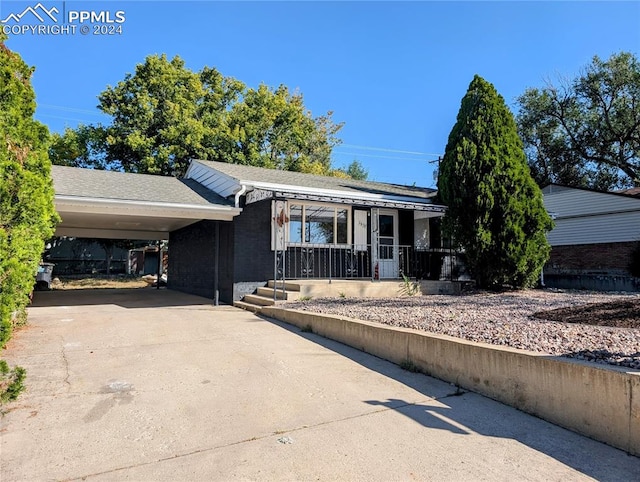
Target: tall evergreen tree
<point>495,209</point>
<point>27,214</point>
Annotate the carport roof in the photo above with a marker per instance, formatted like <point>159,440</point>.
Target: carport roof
<point>111,204</point>
<point>92,183</point>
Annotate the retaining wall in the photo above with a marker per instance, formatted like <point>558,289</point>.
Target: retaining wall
<point>599,401</point>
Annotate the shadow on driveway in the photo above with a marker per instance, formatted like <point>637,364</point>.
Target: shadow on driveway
<point>466,413</point>
<point>123,297</point>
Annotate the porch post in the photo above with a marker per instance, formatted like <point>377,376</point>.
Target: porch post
<point>279,223</point>
<point>159,264</point>
<point>216,263</point>
<point>375,241</point>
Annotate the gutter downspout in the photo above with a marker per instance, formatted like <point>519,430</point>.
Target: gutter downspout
<point>241,192</point>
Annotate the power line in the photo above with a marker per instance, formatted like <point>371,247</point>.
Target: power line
<point>72,109</point>
<point>380,157</point>
<point>61,118</point>
<point>384,149</point>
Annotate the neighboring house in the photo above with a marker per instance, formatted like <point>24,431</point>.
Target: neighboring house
<point>594,235</point>
<point>231,228</point>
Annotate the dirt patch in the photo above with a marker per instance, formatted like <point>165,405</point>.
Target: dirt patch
<point>620,314</point>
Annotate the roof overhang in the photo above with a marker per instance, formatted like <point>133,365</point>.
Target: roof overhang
<point>124,219</point>
<point>227,186</point>
<point>339,197</point>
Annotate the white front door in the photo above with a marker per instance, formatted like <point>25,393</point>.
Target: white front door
<point>388,253</point>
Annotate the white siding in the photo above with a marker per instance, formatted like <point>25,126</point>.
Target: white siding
<point>586,217</point>
<point>219,183</point>
<point>577,202</point>
<point>614,228</point>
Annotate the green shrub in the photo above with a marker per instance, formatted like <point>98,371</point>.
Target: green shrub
<point>11,382</point>
<point>27,214</point>
<point>408,287</point>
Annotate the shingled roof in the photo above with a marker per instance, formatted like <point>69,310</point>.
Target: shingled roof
<point>118,205</point>
<point>113,185</point>
<point>634,191</point>
<point>255,175</point>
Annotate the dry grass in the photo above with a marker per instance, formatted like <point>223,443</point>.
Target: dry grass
<point>98,283</point>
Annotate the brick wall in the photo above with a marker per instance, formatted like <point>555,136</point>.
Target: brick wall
<point>604,258</point>
<point>192,261</point>
<point>245,260</point>
<point>253,258</point>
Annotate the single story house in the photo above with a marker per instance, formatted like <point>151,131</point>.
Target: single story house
<point>231,228</point>
<point>594,235</point>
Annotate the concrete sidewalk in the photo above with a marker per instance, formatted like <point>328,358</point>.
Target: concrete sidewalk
<point>159,385</point>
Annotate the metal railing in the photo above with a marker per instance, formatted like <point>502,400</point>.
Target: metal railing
<point>327,261</point>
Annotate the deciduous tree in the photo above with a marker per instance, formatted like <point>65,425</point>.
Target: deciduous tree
<point>164,114</point>
<point>586,132</point>
<point>495,209</point>
<point>85,146</point>
<point>273,129</point>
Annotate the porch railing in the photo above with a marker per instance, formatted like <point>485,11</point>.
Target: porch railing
<point>326,261</point>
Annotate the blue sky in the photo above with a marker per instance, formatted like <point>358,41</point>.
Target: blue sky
<point>394,72</point>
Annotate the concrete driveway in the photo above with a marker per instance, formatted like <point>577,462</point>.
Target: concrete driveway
<point>159,385</point>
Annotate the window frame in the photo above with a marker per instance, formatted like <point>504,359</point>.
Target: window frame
<point>336,207</point>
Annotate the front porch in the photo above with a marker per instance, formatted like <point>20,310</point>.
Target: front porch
<point>300,289</point>
<point>349,262</point>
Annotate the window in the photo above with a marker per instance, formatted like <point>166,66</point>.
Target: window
<point>319,224</point>
<point>295,223</point>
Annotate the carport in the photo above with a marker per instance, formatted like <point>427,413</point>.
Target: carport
<point>117,205</point>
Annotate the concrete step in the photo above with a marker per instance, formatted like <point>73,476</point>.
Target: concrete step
<point>258,300</point>
<point>247,306</point>
<point>288,285</point>
<point>287,295</point>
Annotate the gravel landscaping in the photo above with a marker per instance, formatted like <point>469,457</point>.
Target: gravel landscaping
<point>545,321</point>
